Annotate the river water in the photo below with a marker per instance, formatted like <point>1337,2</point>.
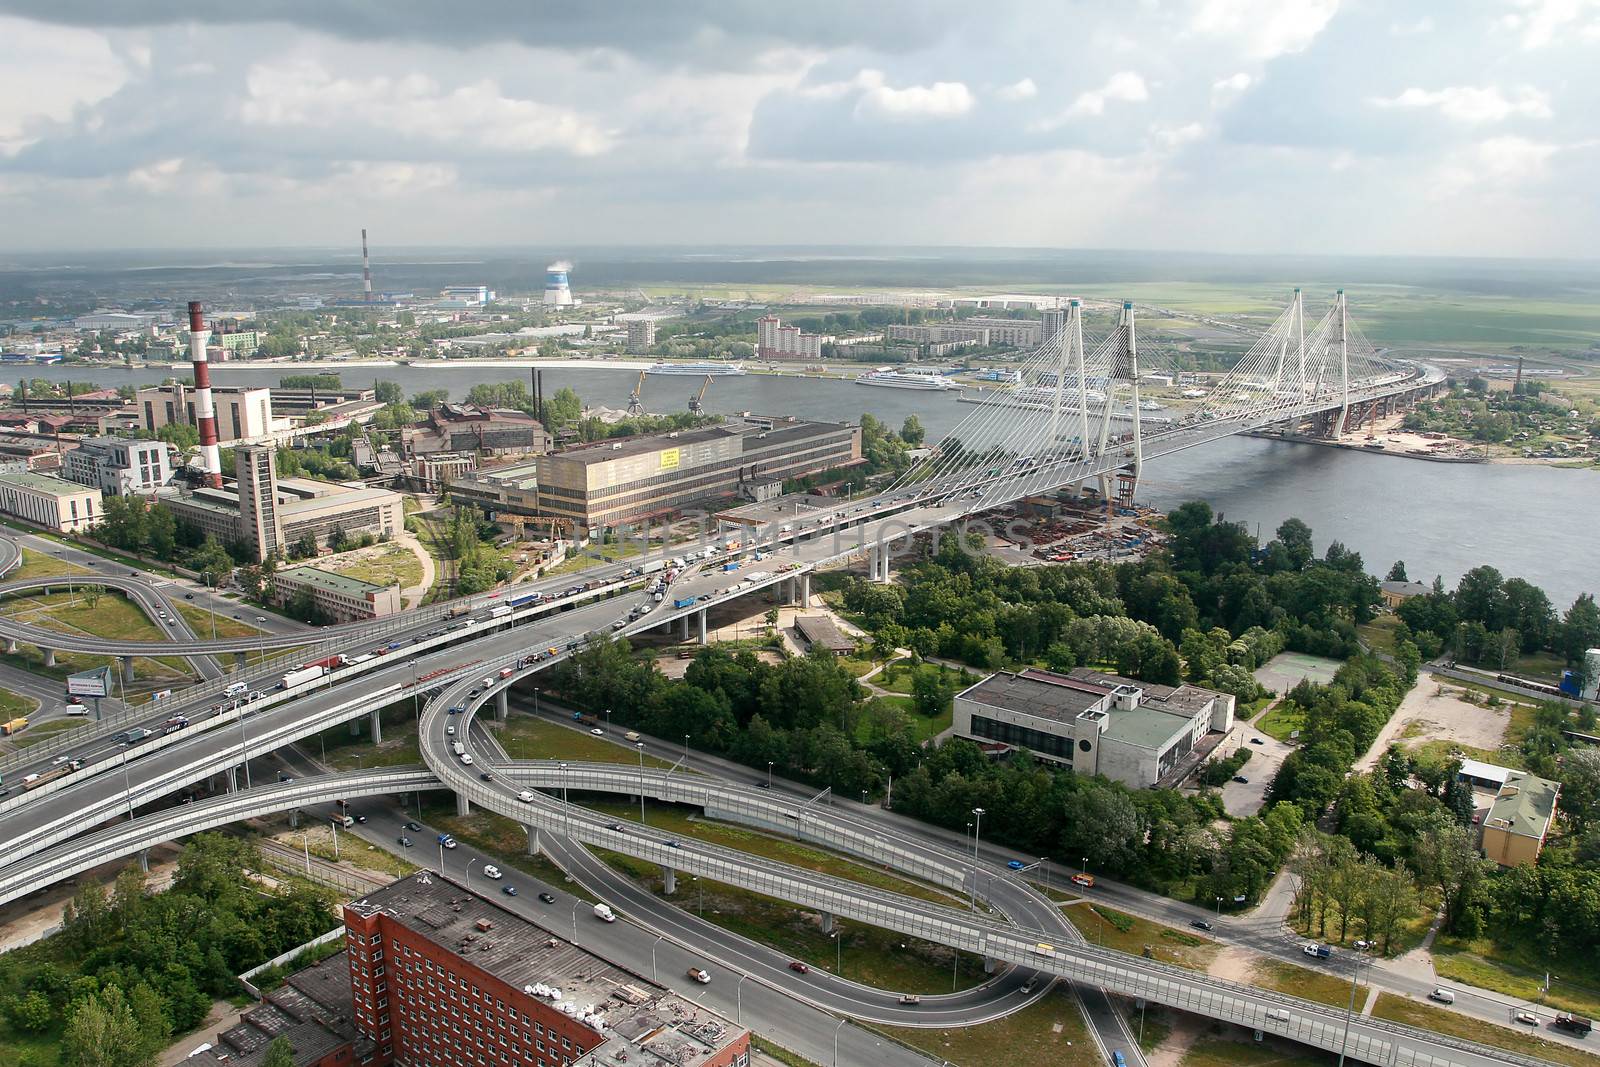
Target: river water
<point>1538,523</point>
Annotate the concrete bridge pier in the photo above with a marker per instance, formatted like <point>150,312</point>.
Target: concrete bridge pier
<point>11,645</point>
<point>463,806</point>
<point>144,860</point>
<point>669,880</point>
<point>239,660</point>
<point>990,965</point>
<point>127,668</point>
<point>533,840</point>
<point>872,564</point>
<point>232,774</point>
<point>805,590</point>
<point>502,705</point>
<point>684,620</point>
<point>827,922</point>
<point>883,564</point>
<point>700,616</point>
<point>49,657</point>
<point>377,728</point>
<point>355,727</point>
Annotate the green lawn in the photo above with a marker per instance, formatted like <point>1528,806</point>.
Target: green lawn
<point>525,737</point>
<point>593,556</point>
<point>1215,1050</point>
<point>1129,933</point>
<point>109,615</point>
<point>1049,1032</point>
<point>1443,1021</point>
<point>348,753</point>
<point>393,565</point>
<point>1321,986</point>
<point>1281,721</point>
<point>44,731</point>
<point>14,704</point>
<point>44,565</point>
<point>1519,972</point>
<point>1379,633</point>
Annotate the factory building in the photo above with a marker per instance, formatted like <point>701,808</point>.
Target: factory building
<point>557,287</point>
<point>440,975</point>
<point>465,296</point>
<point>638,478</point>
<point>1138,733</point>
<point>244,413</point>
<point>53,503</point>
<point>118,465</point>
<point>341,598</point>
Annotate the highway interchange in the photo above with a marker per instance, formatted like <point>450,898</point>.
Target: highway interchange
<point>48,820</point>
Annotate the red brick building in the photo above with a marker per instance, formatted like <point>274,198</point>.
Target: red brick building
<point>442,977</point>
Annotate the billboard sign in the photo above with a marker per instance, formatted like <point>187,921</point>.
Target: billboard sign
<point>95,683</point>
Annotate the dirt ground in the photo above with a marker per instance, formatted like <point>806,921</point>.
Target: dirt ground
<point>1241,799</point>
<point>24,921</point>
<point>1435,705</point>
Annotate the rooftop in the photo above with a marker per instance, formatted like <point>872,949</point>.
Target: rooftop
<point>1162,711</point>
<point>1525,806</point>
<point>334,583</point>
<point>44,483</point>
<point>821,630</point>
<point>642,444</point>
<point>1489,772</point>
<point>1405,589</point>
<point>311,1010</point>
<point>643,1022</point>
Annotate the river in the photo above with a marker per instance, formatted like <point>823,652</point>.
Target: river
<point>1532,522</point>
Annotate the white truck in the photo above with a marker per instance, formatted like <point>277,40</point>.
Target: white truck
<point>301,676</point>
<point>604,913</point>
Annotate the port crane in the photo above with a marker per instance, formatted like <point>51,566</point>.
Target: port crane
<point>635,398</point>
<point>696,402</point>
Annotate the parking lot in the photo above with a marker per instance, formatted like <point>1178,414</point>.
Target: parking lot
<point>1247,798</point>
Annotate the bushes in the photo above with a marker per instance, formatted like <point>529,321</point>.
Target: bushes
<point>1216,772</point>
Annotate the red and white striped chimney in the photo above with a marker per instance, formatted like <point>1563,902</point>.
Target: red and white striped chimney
<point>205,414</point>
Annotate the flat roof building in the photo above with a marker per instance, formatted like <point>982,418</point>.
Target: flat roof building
<point>244,413</point>
<point>340,597</point>
<point>118,465</point>
<point>1138,733</point>
<point>819,631</point>
<point>440,975</point>
<point>1519,820</point>
<point>54,503</point>
<point>311,1011</point>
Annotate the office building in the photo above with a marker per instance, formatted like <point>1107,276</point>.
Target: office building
<point>341,598</point>
<point>435,470</point>
<point>54,503</point>
<point>641,334</point>
<point>1518,822</point>
<point>1138,733</point>
<point>774,340</point>
<point>636,479</point>
<point>1051,322</point>
<point>244,413</point>
<point>268,513</point>
<point>118,465</point>
<point>442,976</point>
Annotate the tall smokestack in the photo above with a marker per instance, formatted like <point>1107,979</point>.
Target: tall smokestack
<point>366,269</point>
<point>205,415</point>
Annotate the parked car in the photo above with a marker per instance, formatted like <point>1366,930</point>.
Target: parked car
<point>548,898</point>
<point>1257,741</point>
<point>1241,779</point>
<point>413,826</point>
<point>799,968</point>
<point>1199,924</point>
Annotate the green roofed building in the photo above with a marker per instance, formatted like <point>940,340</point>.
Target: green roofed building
<point>342,598</point>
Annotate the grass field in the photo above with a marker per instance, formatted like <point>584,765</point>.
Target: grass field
<point>14,704</point>
<point>1282,721</point>
<point>1519,972</point>
<point>43,565</point>
<point>33,735</point>
<point>682,822</point>
<point>1129,933</point>
<point>1217,1050</point>
<point>525,737</point>
<point>110,615</point>
<point>1379,633</point>
<point>1440,1020</point>
<point>390,565</point>
<point>1049,1032</point>
<point>344,752</point>
<point>1323,987</point>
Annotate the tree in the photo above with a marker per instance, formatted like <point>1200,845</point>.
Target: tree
<point>931,693</point>
<point>103,1032</point>
<point>30,1012</point>
<point>911,431</point>
<point>1295,536</point>
<point>279,1054</point>
<point>1447,857</point>
<point>1580,629</point>
<point>1480,597</point>
<point>181,436</point>
<point>1397,573</point>
<point>388,392</point>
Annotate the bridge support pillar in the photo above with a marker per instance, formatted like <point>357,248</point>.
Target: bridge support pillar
<point>669,880</point>
<point>239,660</point>
<point>144,860</point>
<point>872,564</point>
<point>990,964</point>
<point>355,727</point>
<point>685,624</point>
<point>233,779</point>
<point>502,705</point>
<point>127,668</point>
<point>827,922</point>
<point>533,840</point>
<point>377,729</point>
<point>883,564</point>
<point>700,617</point>
<point>805,590</point>
<point>11,645</point>
<point>49,657</point>
<point>463,806</point>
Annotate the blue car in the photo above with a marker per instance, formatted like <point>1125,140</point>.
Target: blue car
<point>1117,1060</point>
<point>1015,865</point>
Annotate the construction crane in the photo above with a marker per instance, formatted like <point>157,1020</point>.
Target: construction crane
<point>635,400</point>
<point>696,402</point>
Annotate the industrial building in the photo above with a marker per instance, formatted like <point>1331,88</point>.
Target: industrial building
<point>433,471</point>
<point>774,340</point>
<point>341,598</point>
<point>1138,733</point>
<point>465,296</point>
<point>244,413</point>
<point>118,465</point>
<point>54,503</point>
<point>311,1011</point>
<point>1518,822</point>
<point>484,431</point>
<point>440,975</point>
<point>638,478</point>
<point>268,513</point>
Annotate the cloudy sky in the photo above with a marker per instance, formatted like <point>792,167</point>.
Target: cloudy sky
<point>1458,127</point>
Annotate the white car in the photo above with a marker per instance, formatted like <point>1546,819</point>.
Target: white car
<point>525,796</point>
<point>491,872</point>
<point>449,731</point>
<point>598,732</point>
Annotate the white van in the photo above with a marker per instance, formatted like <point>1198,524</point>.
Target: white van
<point>491,872</point>
<point>237,689</point>
<point>1443,996</point>
<point>466,760</point>
<point>525,796</point>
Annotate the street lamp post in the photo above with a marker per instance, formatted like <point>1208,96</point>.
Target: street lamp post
<point>838,953</point>
<point>608,722</point>
<point>640,746</point>
<point>536,700</point>
<point>1044,869</point>
<point>686,748</point>
<point>575,905</point>
<point>1350,1009</point>
<point>1219,907</point>
<point>769,774</point>
<point>738,1000</point>
<point>836,1030</point>
<point>244,750</point>
<point>306,845</point>
<point>653,948</point>
<point>977,831</point>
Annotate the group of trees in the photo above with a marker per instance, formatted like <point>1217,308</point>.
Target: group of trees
<point>131,969</point>
<point>140,525</point>
<point>1489,620</point>
<point>459,540</point>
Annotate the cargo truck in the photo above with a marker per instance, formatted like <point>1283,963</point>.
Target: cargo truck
<point>1575,1024</point>
<point>683,602</point>
<point>604,914</point>
<point>15,726</point>
<point>328,662</point>
<point>302,675</point>
<point>34,781</point>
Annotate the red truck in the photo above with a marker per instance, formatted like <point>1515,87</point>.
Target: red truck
<point>328,662</point>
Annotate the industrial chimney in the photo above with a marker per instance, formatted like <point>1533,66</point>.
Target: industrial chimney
<point>205,414</point>
<point>366,269</point>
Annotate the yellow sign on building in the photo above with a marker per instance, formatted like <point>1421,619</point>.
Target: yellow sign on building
<point>669,459</point>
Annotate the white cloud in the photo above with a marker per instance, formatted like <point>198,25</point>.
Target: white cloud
<point>302,93</point>
<point>1233,83</point>
<point>1540,21</point>
<point>1264,28</point>
<point>1514,159</point>
<point>47,73</point>
<point>1422,25</point>
<point>392,178</point>
<point>1176,136</point>
<point>1472,104</point>
<point>1125,86</point>
<point>156,177</point>
<point>1022,90</point>
<point>941,100</point>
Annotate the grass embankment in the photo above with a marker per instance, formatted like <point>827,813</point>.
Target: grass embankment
<point>1519,971</point>
<point>1129,933</point>
<point>1378,634</point>
<point>344,751</point>
<point>1051,1031</point>
<point>1219,1050</point>
<point>42,565</point>
<point>353,851</point>
<point>502,838</point>
<point>871,955</point>
<point>1324,988</point>
<point>102,614</point>
<point>681,821</point>
<point>595,555</point>
<point>393,565</point>
<point>525,737</point>
<point>44,731</point>
<point>14,704</point>
<point>1441,1021</point>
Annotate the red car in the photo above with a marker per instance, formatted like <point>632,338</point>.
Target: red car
<point>799,968</point>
